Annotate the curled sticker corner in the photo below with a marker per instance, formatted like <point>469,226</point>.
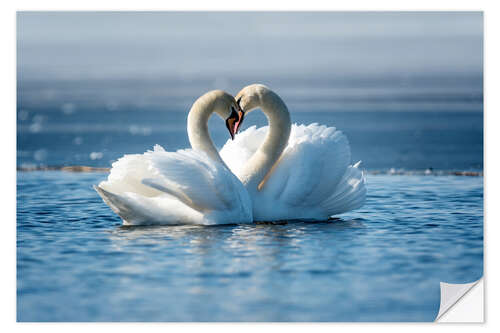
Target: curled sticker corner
<point>451,293</point>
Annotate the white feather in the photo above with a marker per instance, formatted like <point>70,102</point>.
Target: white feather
<point>183,187</point>
<point>312,179</point>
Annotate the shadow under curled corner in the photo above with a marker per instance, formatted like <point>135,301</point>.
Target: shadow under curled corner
<point>460,299</point>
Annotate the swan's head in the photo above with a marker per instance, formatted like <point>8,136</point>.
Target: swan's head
<point>226,107</point>
<point>250,97</point>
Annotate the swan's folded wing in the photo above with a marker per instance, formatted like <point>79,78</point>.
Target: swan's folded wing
<point>311,167</point>
<point>136,209</point>
<point>309,170</point>
<point>194,178</point>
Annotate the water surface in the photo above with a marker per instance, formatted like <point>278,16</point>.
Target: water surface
<point>441,140</point>
<point>383,262</point>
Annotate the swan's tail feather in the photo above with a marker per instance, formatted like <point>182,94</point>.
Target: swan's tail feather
<point>119,205</point>
<point>350,193</point>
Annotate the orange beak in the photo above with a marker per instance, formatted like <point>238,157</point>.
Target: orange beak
<point>234,121</point>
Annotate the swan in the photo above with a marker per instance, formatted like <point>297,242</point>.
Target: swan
<point>292,171</point>
<point>191,186</point>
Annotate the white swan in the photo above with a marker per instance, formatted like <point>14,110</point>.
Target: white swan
<point>192,186</point>
<point>292,171</point>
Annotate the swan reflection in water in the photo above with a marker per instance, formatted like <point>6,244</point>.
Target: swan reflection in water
<point>200,234</point>
<point>228,251</point>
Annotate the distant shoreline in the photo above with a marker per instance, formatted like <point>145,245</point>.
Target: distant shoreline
<point>393,172</point>
<point>70,168</point>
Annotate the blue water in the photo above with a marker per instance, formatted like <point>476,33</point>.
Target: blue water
<point>383,262</point>
<point>441,140</point>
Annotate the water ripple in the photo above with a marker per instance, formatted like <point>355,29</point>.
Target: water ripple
<point>384,262</point>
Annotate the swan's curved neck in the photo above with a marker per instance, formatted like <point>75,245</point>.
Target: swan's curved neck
<point>197,127</point>
<point>260,164</point>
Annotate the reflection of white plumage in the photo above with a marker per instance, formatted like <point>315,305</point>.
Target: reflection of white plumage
<point>191,186</point>
<point>290,171</point>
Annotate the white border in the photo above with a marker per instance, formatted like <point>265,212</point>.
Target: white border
<point>8,135</point>
<point>225,5</point>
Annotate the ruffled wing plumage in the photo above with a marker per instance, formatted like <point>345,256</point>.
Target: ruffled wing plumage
<point>312,179</point>
<point>183,187</point>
